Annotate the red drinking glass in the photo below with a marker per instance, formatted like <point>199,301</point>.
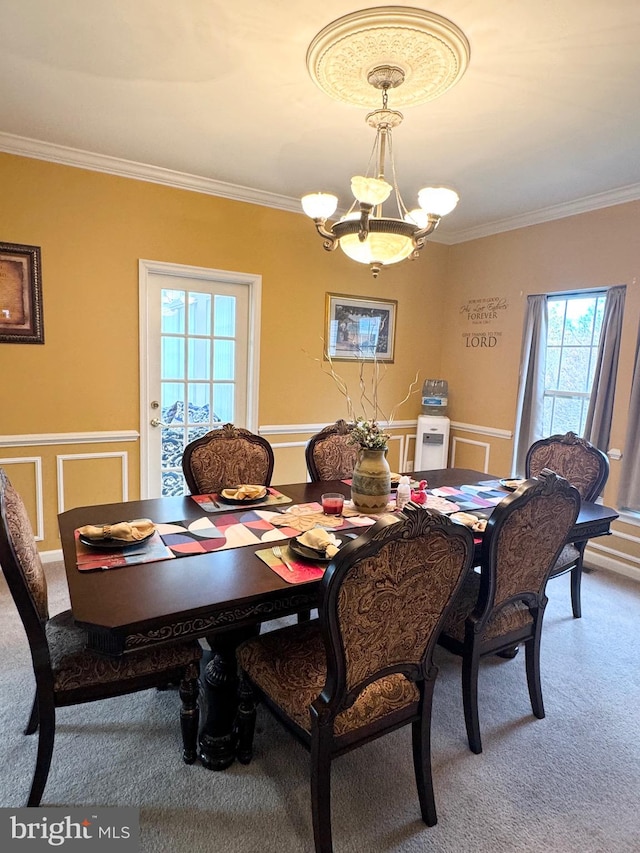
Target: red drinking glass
<point>332,503</point>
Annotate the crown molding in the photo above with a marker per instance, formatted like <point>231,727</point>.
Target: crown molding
<point>545,214</point>
<point>38,150</point>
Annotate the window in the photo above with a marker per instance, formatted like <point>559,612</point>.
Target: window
<point>573,335</point>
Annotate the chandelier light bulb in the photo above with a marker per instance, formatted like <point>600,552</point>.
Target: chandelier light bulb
<point>437,200</point>
<point>371,191</point>
<point>418,217</point>
<point>319,205</point>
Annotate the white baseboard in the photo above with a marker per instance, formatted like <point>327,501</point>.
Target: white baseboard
<point>602,561</point>
<point>51,556</point>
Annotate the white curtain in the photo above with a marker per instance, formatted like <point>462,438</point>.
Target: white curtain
<point>530,402</point>
<point>598,424</point>
<point>629,493</point>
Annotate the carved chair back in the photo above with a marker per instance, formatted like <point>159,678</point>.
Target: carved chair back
<point>384,599</point>
<point>524,536</point>
<point>227,457</point>
<point>329,454</point>
<point>577,460</point>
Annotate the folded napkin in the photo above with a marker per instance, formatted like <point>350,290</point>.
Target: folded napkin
<point>244,492</point>
<point>126,531</point>
<point>466,518</point>
<point>321,540</point>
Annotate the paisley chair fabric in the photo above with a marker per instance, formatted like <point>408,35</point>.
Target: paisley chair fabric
<point>504,604</point>
<point>227,457</point>
<point>365,666</point>
<point>329,454</point>
<point>585,467</point>
<point>66,672</point>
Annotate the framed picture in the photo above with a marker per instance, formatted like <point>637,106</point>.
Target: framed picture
<point>20,295</point>
<point>360,328</point>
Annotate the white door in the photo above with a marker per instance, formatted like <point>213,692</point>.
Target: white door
<point>199,347</point>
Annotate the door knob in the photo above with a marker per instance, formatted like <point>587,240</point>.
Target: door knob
<point>156,422</point>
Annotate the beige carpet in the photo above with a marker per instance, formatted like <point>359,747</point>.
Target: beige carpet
<point>570,782</point>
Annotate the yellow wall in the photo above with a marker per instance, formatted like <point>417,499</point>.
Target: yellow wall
<point>597,249</point>
<point>93,228</point>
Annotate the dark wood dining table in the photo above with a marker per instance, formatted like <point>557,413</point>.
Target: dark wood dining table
<point>223,595</point>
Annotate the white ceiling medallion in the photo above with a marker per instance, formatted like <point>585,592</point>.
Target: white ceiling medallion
<point>432,52</point>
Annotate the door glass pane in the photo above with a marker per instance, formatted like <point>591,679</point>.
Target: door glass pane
<point>172,402</point>
<point>199,313</point>
<point>173,484</point>
<point>224,353</point>
<point>172,357</point>
<point>172,311</point>
<point>172,447</point>
<point>224,316</point>
<point>197,432</point>
<point>199,358</point>
<point>199,403</point>
<point>223,402</point>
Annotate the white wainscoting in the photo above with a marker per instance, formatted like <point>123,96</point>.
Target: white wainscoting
<point>67,457</point>
<point>43,496</point>
<point>456,440</point>
<point>36,461</point>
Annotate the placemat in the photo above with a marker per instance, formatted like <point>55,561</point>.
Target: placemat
<point>91,559</point>
<point>303,570</point>
<point>213,502</point>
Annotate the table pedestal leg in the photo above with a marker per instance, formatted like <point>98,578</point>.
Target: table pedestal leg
<point>216,746</point>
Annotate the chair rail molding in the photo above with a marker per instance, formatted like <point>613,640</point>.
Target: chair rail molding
<point>294,429</point>
<point>482,430</point>
<point>44,438</point>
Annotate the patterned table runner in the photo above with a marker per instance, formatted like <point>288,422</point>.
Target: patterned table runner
<point>250,527</point>
<point>472,498</point>
<point>214,503</point>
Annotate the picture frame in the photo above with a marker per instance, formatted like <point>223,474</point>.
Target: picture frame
<point>20,294</point>
<point>360,328</point>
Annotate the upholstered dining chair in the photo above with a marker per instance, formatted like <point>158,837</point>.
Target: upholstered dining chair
<point>329,455</point>
<point>504,605</point>
<point>66,673</point>
<point>364,667</point>
<point>226,457</point>
<point>587,468</point>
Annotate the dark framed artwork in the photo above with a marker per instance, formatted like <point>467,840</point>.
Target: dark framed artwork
<point>20,295</point>
<point>359,328</point>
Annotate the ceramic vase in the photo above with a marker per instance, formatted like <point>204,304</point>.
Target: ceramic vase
<point>371,482</point>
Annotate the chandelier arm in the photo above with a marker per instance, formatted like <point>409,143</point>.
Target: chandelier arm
<point>330,240</point>
<point>432,223</point>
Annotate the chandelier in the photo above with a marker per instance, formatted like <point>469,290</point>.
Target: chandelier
<point>439,51</point>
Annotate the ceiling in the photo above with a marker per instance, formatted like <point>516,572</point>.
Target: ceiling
<point>216,96</point>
